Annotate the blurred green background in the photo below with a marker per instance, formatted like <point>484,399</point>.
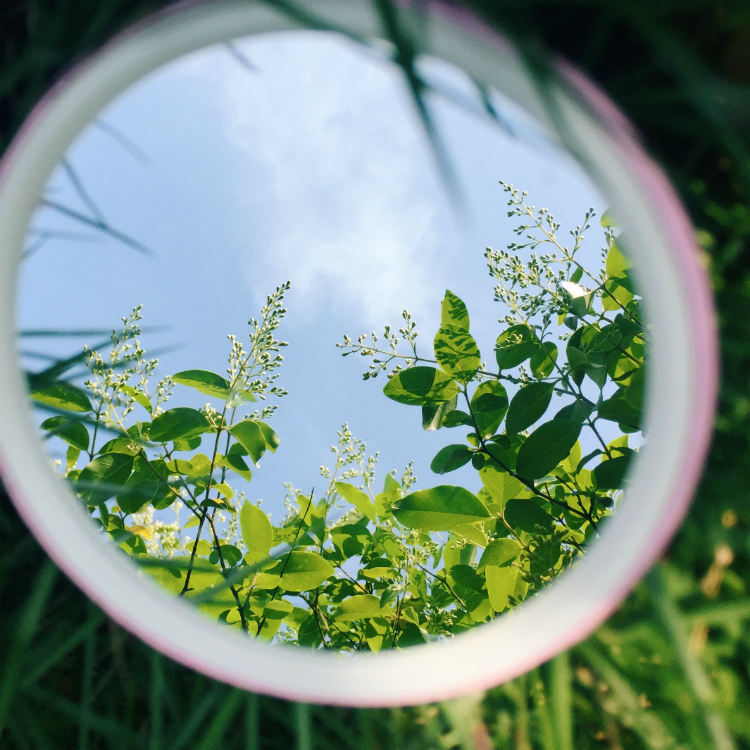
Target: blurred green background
<point>671,669</point>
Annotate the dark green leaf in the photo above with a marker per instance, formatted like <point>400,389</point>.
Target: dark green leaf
<point>488,405</point>
<point>549,444</point>
<point>525,515</point>
<point>250,436</point>
<point>421,386</point>
<point>450,458</point>
<point>527,406</point>
<point>271,438</point>
<point>69,430</point>
<point>610,475</point>
<point>104,477</point>
<point>515,345</point>
<point>578,411</point>
<point>617,409</point>
<point>203,381</point>
<point>439,509</point>
<point>179,423</point>
<point>456,418</point>
<point>543,361</point>
<point>147,484</point>
<point>454,312</point>
<point>457,352</point>
<point>62,395</point>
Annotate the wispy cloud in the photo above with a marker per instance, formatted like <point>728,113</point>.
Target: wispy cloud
<point>354,210</point>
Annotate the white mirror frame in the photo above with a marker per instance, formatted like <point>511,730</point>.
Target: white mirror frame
<point>681,386</point>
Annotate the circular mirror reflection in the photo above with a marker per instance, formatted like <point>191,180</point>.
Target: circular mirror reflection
<point>348,364</point>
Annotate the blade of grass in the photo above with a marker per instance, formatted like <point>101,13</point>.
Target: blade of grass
<point>673,622</point>
<point>28,622</point>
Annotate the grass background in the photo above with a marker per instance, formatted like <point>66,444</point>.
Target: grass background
<point>671,669</point>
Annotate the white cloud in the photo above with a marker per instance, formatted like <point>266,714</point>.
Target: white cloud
<point>352,205</point>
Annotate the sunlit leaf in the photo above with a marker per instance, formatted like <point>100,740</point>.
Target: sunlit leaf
<point>421,386</point>
<point>439,509</point>
<point>203,381</point>
<point>62,395</point>
<point>360,500</point>
<point>501,584</point>
<point>453,312</point>
<point>457,352</point>
<point>303,571</point>
<point>500,552</point>
<point>360,607</point>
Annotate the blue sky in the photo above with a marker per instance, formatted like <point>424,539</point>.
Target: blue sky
<point>311,167</point>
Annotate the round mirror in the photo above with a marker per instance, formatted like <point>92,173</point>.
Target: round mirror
<point>346,354</point>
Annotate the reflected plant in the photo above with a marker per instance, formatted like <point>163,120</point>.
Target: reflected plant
<point>369,563</point>
<point>539,502</point>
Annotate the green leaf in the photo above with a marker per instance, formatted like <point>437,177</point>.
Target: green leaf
<point>179,423</point>
<point>450,458</point>
<point>515,345</point>
<point>457,352</point>
<point>616,264</point>
<point>69,430</point>
<point>236,462</point>
<point>104,477</point>
<point>239,396</point>
<point>421,386</point>
<point>140,397</point>
<point>607,220</point>
<point>62,395</point>
<point>526,515</point>
<point>147,484</point>
<point>203,381</point>
<point>579,298</point>
<point>610,475</point>
<point>250,436</point>
<point>360,500</point>
<point>360,607</point>
<point>615,296</point>
<point>527,406</point>
<point>439,509</point>
<point>303,571</point>
<point>618,409</point>
<point>433,417</point>
<point>501,583</point>
<point>549,444</point>
<point>456,418</point>
<point>501,552</point>
<point>489,405</point>
<point>543,361</point>
<point>454,312</point>
<point>271,438</point>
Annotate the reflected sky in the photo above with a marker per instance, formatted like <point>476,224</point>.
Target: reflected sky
<point>293,156</point>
